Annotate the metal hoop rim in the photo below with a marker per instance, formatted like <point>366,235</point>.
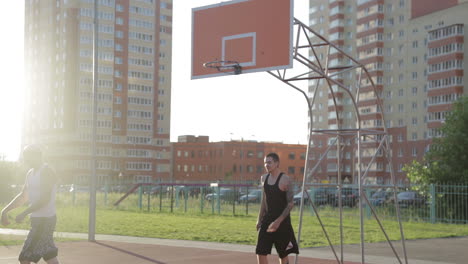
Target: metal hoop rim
<point>224,65</point>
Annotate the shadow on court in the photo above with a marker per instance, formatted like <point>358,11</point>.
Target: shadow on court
<point>106,252</point>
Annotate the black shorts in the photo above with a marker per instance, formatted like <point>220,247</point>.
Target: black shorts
<point>40,241</point>
<point>283,239</point>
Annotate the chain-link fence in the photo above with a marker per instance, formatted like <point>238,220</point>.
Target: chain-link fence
<point>432,203</point>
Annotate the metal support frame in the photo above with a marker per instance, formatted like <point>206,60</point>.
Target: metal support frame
<point>317,68</point>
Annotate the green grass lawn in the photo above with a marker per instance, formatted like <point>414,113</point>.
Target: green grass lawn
<point>12,240</point>
<point>238,229</point>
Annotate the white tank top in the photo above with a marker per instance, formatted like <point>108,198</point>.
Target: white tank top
<point>34,184</point>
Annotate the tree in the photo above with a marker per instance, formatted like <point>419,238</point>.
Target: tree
<point>447,159</point>
<point>446,165</point>
<point>448,156</point>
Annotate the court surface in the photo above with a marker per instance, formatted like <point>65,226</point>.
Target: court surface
<point>104,252</point>
<point>134,250</point>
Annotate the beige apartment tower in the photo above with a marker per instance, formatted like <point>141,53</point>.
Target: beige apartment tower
<point>133,91</point>
<point>414,51</point>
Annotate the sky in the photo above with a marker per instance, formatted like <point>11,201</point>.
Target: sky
<point>11,76</point>
<point>252,106</point>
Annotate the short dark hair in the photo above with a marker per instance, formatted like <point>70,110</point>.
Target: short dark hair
<point>32,151</point>
<point>274,156</point>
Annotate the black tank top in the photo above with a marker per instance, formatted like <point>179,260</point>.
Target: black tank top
<point>276,201</point>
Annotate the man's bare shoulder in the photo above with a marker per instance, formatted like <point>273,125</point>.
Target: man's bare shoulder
<point>49,173</point>
<point>263,178</point>
<point>285,181</point>
<point>285,177</point>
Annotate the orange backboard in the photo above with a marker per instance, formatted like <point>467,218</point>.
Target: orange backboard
<point>255,33</point>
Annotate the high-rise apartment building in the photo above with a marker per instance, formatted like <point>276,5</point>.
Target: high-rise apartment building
<point>414,52</point>
<point>133,91</point>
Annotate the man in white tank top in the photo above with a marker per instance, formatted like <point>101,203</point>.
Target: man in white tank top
<point>39,189</point>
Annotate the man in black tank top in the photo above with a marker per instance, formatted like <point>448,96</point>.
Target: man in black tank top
<point>274,222</point>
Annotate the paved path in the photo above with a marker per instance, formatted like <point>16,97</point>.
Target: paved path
<point>134,250</point>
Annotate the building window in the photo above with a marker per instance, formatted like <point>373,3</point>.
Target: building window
<point>292,156</point>
<point>390,21</point>
<point>401,33</point>
<point>118,87</point>
<point>400,137</point>
<point>260,155</point>
<point>400,108</point>
<point>414,152</point>
<point>401,19</point>
<point>389,108</point>
<point>389,95</point>
<point>119,21</point>
<point>259,169</point>
<point>291,170</point>
<point>401,93</point>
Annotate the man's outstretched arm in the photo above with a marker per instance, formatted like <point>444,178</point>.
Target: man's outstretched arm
<point>16,202</point>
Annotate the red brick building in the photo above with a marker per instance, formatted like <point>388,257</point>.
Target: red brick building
<point>197,159</point>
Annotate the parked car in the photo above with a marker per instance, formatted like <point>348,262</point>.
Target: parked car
<point>63,188</point>
<point>410,198</point>
<point>254,196</point>
<point>349,196</point>
<point>380,198</point>
<point>76,188</point>
<point>224,194</point>
<point>156,190</point>
<point>297,197</point>
<point>119,188</point>
<point>325,195</point>
<point>322,196</point>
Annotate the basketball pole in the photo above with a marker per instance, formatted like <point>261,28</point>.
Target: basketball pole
<point>92,177</point>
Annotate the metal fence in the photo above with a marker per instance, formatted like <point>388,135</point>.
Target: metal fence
<point>433,203</point>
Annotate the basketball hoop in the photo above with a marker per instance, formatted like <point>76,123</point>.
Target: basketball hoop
<point>224,66</point>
